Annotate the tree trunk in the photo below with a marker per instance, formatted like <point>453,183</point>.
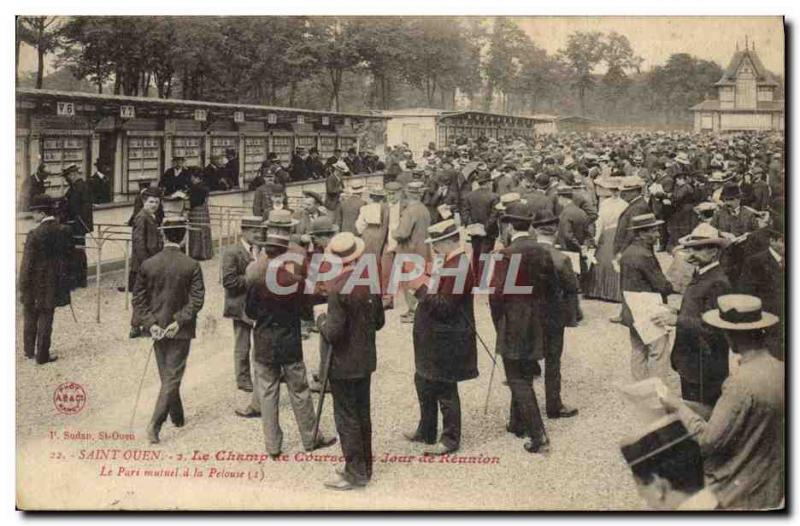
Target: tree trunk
<point>39,67</point>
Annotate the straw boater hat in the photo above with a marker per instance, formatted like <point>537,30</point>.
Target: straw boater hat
<point>656,440</point>
<point>377,192</point>
<point>644,221</point>
<point>630,183</point>
<point>415,187</point>
<point>719,177</point>
<point>702,235</point>
<point>170,223</point>
<point>506,199</point>
<point>739,312</point>
<point>322,225</point>
<point>357,187</point>
<point>682,158</point>
<point>442,230</point>
<point>281,219</point>
<point>705,208</point>
<point>392,186</point>
<point>346,246</point>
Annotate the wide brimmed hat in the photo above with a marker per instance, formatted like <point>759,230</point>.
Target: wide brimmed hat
<point>544,218</point>
<point>706,208</point>
<point>170,223</point>
<point>518,210</point>
<point>72,168</point>
<point>644,221</point>
<point>739,312</point>
<point>346,246</point>
<point>719,177</point>
<point>609,183</point>
<point>703,234</point>
<point>281,219</point>
<point>415,187</point>
<point>322,225</point>
<point>730,191</point>
<point>442,230</point>
<point>507,199</point>
<point>357,187</point>
<point>655,440</point>
<point>377,192</point>
<point>630,183</point>
<point>252,222</point>
<point>392,186</point>
<point>273,240</point>
<point>682,158</point>
<point>315,196</point>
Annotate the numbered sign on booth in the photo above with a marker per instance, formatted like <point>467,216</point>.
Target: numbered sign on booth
<point>200,115</point>
<point>127,112</point>
<point>238,116</point>
<point>66,109</point>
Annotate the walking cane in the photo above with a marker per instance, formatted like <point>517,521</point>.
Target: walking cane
<point>141,383</point>
<point>493,357</point>
<point>323,389</point>
<point>72,310</point>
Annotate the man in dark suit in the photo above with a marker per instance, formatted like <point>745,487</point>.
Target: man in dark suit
<point>445,350</point>
<point>315,165</point>
<point>478,211</point>
<point>573,223</point>
<point>736,220</point>
<point>80,218</point>
<point>278,349</point>
<point>349,326</point>
<point>146,240</point>
<point>537,197</point>
<point>520,317</point>
<point>700,352</point>
<point>346,214</point>
<point>234,263</point>
<point>176,178</point>
<point>334,184</point>
<point>100,183</point>
<point>33,186</point>
<point>631,192</point>
<point>564,313</point>
<point>298,168</point>
<point>231,169</point>
<point>43,279</point>
<point>213,174</point>
<point>640,272</point>
<point>168,294</point>
<point>763,276</point>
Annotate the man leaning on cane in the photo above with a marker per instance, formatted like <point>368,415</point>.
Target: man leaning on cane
<point>167,297</point>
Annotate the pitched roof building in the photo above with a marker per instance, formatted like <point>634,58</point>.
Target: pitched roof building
<point>746,98</point>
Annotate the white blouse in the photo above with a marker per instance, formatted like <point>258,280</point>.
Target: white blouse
<point>608,214</point>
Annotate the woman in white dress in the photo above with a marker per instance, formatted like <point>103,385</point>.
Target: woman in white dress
<point>603,277</point>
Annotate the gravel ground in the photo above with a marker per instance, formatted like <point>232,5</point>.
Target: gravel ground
<point>583,471</point>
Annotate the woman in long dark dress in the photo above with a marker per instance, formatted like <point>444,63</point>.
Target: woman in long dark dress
<point>200,246</point>
<point>603,277</point>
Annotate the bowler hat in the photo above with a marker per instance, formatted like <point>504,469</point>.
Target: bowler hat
<point>544,218</point>
<point>252,222</point>
<point>656,439</point>
<point>315,196</point>
<point>323,225</point>
<point>739,312</point>
<point>517,210</point>
<point>274,240</point>
<point>731,191</point>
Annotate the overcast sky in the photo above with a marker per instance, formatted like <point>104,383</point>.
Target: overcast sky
<point>652,38</point>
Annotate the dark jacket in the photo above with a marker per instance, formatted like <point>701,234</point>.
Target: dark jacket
<point>478,206</point>
<point>345,216</point>
<point>276,337</point>
<point>31,187</point>
<point>234,262</point>
<point>737,224</point>
<point>540,201</point>
<point>623,236</point>
<point>43,274</point>
<point>355,164</point>
<point>762,276</point>
<point>572,228</point>
<point>521,319</point>
<point>169,287</point>
<point>214,178</point>
<point>172,183</point>
<point>231,172</point>
<point>640,272</point>
<point>100,187</point>
<point>566,306</point>
<point>445,349</point>
<point>146,239</point>
<point>698,346</point>
<point>350,327</point>
<point>299,169</point>
<point>80,207</point>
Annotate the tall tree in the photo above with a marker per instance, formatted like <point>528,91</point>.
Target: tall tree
<point>583,52</point>
<point>42,33</point>
<point>333,44</point>
<point>680,83</point>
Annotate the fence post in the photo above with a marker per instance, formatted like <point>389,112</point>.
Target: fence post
<point>127,271</point>
<point>97,273</point>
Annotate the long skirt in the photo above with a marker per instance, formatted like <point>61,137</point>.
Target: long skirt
<point>200,245</point>
<point>603,279</point>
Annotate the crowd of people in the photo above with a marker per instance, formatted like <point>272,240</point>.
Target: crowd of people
<point>569,216</point>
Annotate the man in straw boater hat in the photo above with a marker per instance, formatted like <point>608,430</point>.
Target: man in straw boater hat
<point>700,352</point>
<point>641,272</point>
<point>276,303</point>
<point>43,278</point>
<point>667,466</point>
<point>80,218</point>
<point>167,297</point>
<point>520,317</point>
<point>445,350</point>
<point>742,442</point>
<point>563,313</point>
<point>410,235</point>
<point>235,259</point>
<point>354,315</point>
